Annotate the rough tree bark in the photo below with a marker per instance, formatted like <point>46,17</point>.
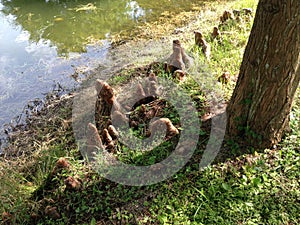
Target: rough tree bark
<point>269,75</point>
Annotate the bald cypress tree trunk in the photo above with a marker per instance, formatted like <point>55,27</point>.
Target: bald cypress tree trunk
<point>269,75</point>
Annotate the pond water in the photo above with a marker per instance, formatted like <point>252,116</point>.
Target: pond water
<point>44,42</point>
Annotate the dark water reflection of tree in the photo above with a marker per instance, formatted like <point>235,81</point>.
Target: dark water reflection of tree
<point>70,25</point>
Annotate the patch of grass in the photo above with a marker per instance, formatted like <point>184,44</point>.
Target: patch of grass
<point>120,78</point>
<point>252,189</point>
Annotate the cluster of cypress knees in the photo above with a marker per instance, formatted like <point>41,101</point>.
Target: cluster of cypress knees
<point>104,135</point>
<point>108,109</point>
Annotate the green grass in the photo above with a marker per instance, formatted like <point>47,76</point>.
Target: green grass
<point>258,188</point>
